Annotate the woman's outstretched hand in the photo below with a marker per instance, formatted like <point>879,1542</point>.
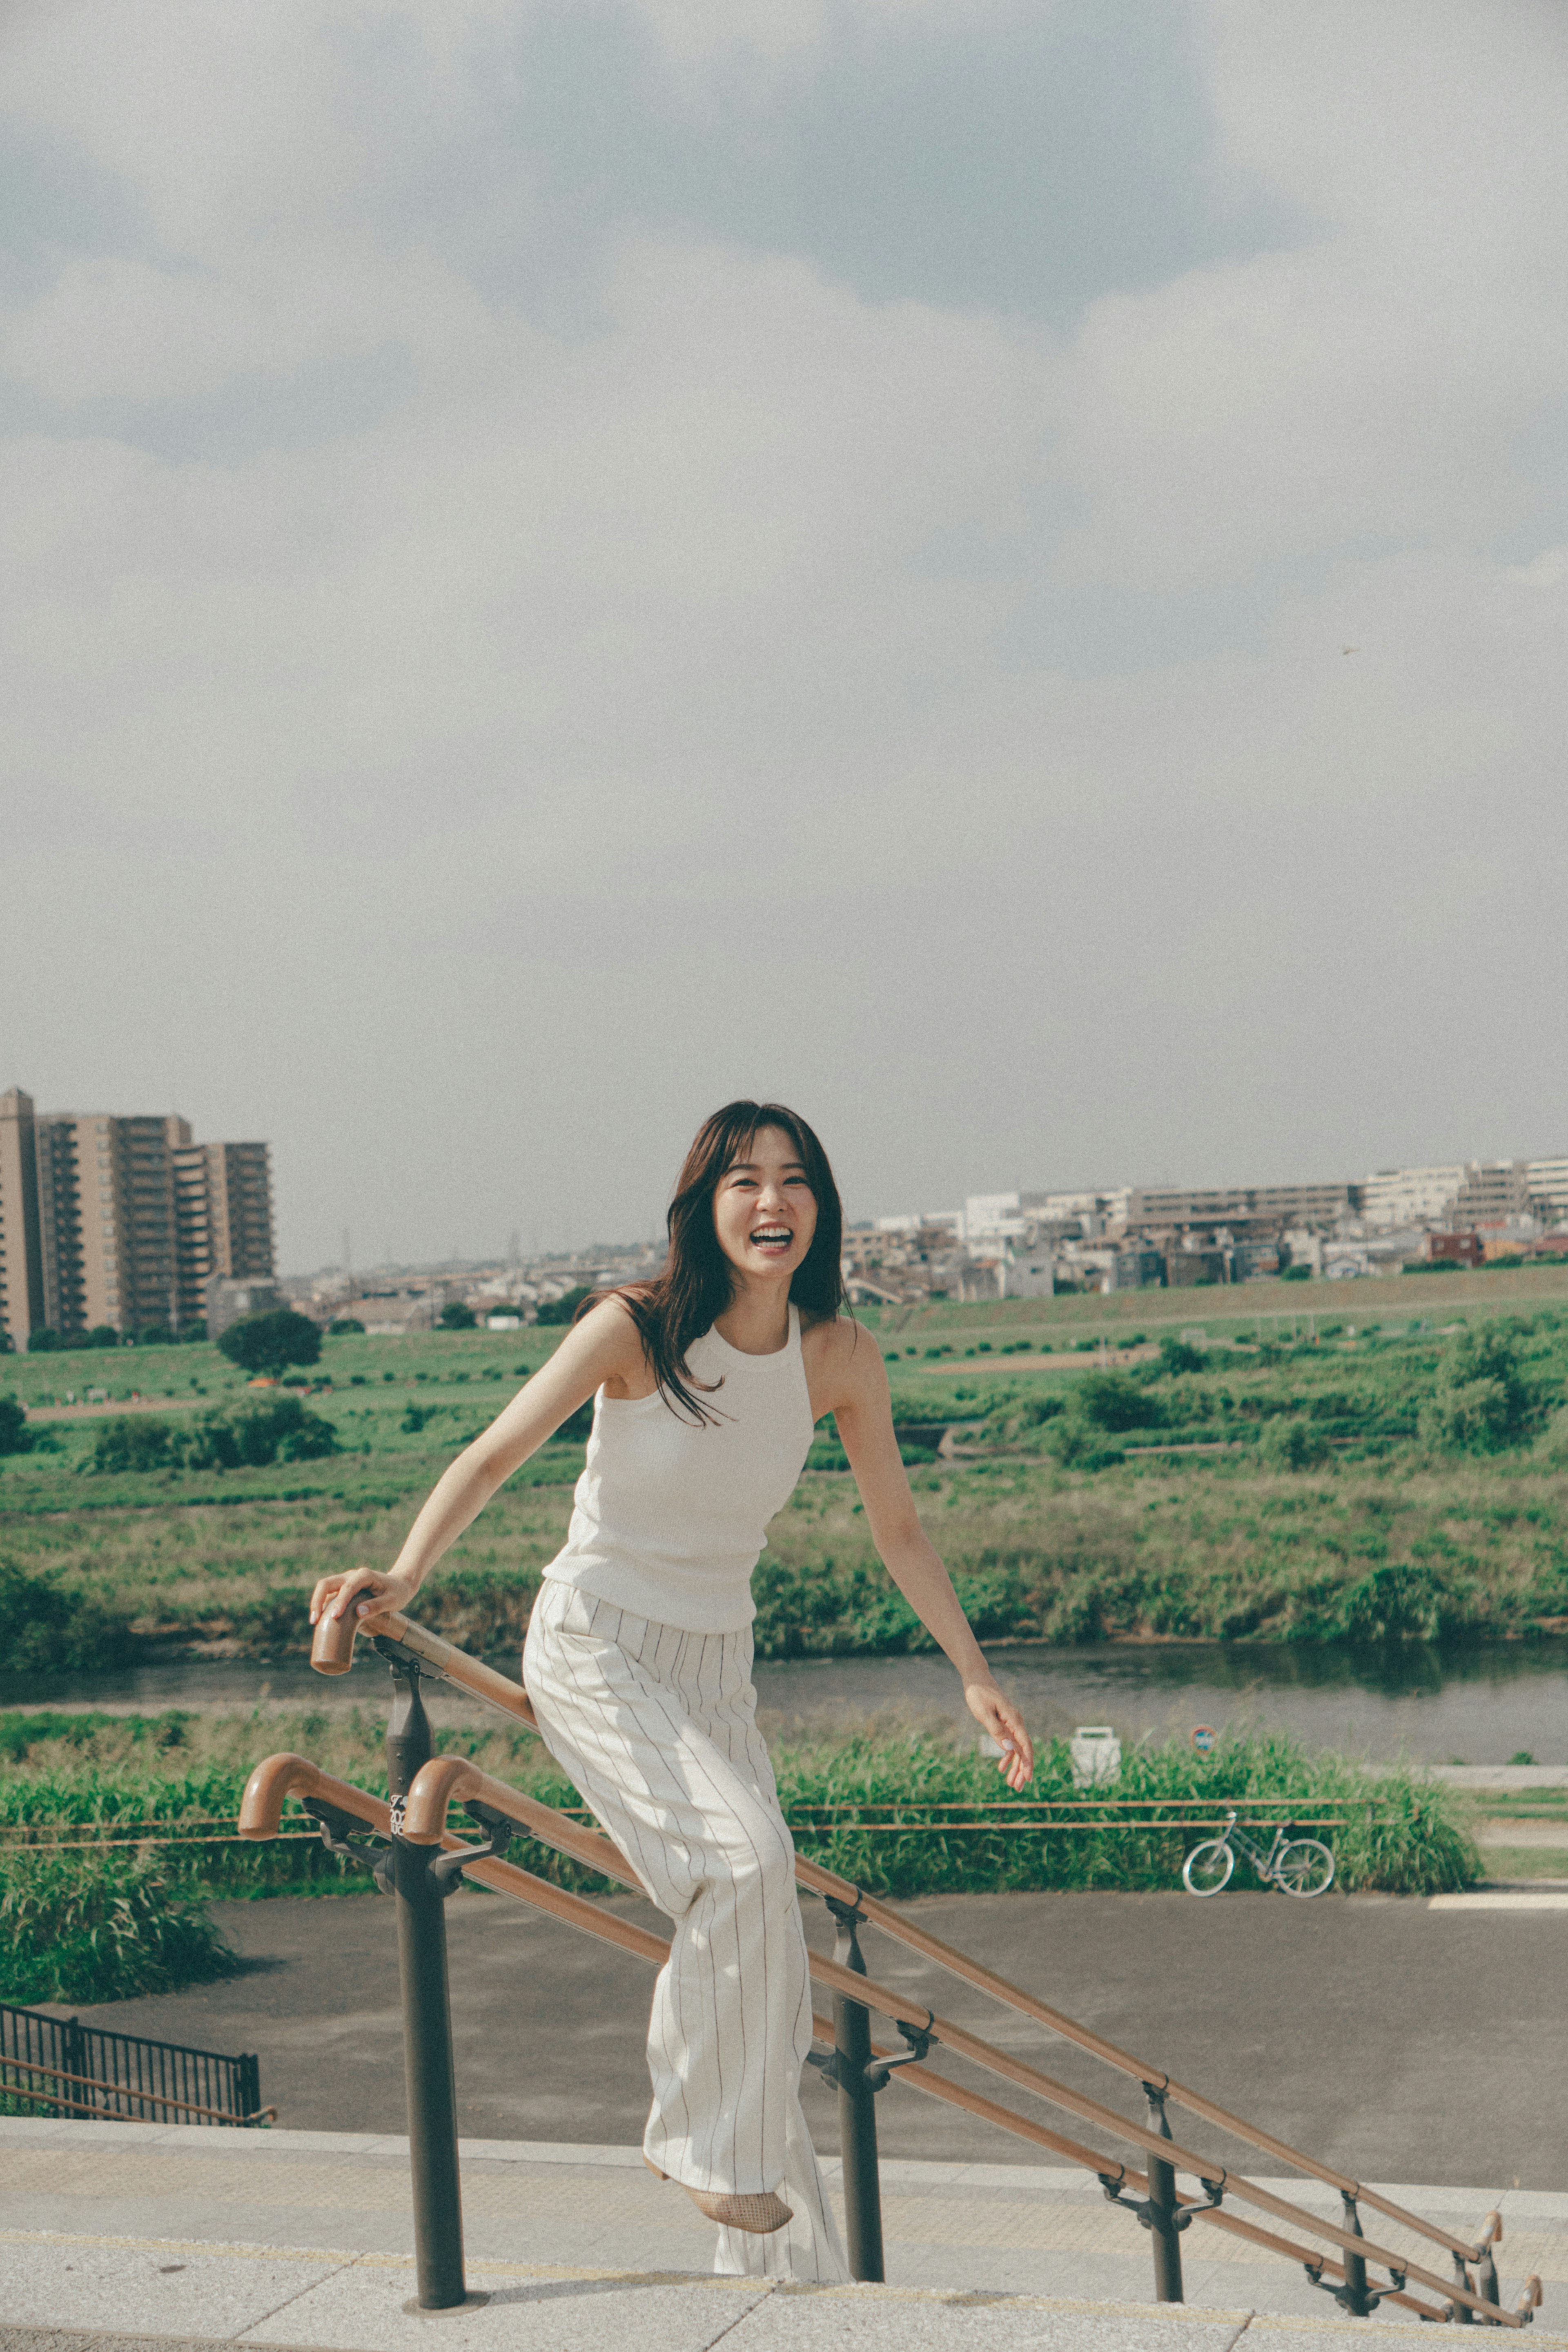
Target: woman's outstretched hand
<point>998,1715</point>
<point>366,1590</point>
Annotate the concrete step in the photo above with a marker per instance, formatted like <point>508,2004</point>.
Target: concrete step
<point>116,2232</point>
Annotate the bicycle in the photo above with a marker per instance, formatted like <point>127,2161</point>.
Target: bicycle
<point>1295,1865</point>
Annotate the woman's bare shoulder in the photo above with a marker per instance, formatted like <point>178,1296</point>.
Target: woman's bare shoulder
<point>609,1326</point>
<point>839,1342</point>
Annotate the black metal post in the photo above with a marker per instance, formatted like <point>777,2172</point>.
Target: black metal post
<point>857,2108</point>
<point>426,2018</point>
<point>1161,2215</point>
<point>1355,2297</point>
<point>1486,2278</point>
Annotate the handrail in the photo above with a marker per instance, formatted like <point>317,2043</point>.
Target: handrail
<point>332,1653</point>
<point>285,1775</point>
<point>32,2066</point>
<point>449,1779</point>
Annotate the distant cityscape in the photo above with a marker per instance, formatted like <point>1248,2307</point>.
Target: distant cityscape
<point>114,1226</point>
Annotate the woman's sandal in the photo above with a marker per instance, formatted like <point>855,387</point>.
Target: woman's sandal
<point>758,2211</point>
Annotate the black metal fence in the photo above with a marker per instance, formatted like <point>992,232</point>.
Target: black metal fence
<point>58,2066</point>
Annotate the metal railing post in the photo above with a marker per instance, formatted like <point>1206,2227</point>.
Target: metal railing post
<point>1460,2313</point>
<point>857,2108</point>
<point>1353,2294</point>
<point>426,2017</point>
<point>1160,2215</point>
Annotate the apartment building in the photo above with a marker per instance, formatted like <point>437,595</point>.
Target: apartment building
<point>1242,1208</point>
<point>223,1220</point>
<point>113,1221</point>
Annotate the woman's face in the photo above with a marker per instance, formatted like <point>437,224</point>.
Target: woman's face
<point>764,1211</point>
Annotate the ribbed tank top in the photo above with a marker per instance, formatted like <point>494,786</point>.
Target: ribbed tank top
<point>669,1518</point>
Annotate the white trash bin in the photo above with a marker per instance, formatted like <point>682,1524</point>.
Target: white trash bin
<point>1096,1754</point>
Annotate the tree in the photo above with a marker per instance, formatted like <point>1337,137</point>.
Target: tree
<point>1110,1400</point>
<point>1483,1400</point>
<point>103,1335</point>
<point>42,1342</point>
<point>1179,1356</point>
<point>15,1437</point>
<point>268,1344</point>
<point>456,1317</point>
<point>562,1309</point>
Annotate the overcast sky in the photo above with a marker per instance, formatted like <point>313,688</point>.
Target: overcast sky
<point>995,569</point>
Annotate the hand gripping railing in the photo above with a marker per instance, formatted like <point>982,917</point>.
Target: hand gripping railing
<point>450,1780</point>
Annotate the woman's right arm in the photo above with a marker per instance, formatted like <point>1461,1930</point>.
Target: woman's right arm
<point>605,1346</point>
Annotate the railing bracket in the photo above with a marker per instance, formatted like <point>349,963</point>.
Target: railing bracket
<point>447,1869</point>
<point>918,2037</point>
<point>335,1827</point>
<point>827,2067</point>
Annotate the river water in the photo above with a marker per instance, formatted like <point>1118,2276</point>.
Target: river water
<point>1475,1703</point>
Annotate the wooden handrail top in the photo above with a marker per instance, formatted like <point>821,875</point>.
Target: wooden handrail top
<point>278,1777</point>
<point>335,1637</point>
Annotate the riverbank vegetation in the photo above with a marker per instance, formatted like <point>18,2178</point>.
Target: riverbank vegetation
<point>1305,1478</point>
<point>115,1830</point>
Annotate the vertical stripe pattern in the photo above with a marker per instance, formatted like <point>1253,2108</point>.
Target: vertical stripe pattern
<point>657,1728</point>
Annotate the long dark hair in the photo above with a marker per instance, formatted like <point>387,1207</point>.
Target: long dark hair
<point>698,1281</point>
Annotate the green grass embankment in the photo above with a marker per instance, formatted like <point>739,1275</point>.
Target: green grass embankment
<point>1374,1482</point>
<point>125,1913</point>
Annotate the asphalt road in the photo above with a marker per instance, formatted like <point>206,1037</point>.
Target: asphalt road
<point>1393,2042</point>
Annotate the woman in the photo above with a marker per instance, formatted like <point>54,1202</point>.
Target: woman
<point>707,1383</point>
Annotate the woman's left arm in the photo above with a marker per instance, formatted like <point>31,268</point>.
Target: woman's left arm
<point>863,1408</point>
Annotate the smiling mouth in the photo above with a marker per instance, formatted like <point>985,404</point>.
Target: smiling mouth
<point>771,1237</point>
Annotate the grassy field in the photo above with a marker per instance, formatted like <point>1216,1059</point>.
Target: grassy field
<point>1367,1477</point>
<point>135,1810</point>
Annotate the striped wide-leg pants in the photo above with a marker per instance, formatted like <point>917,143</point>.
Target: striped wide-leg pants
<point>657,1728</point>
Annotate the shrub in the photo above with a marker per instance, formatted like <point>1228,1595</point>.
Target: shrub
<point>46,1628</point>
<point>562,1309</point>
<point>1295,1274</point>
<point>1483,1401</point>
<point>1112,1401</point>
<point>1290,1443</point>
<point>248,1436</point>
<point>456,1317</point>
<point>1179,1356</point>
<point>342,1325</point>
<point>280,1430</point>
<point>15,1437</point>
<point>269,1343</point>
<point>101,1926</point>
<point>42,1342</point>
<point>134,1442</point>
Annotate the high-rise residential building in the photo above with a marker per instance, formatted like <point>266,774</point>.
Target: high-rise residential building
<point>115,1221</point>
<point>21,1264</point>
<point>223,1219</point>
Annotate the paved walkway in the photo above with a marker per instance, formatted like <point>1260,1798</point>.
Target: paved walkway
<point>1360,2028</point>
<point>304,2238</point>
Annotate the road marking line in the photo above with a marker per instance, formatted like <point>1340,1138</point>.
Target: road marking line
<point>1554,1902</point>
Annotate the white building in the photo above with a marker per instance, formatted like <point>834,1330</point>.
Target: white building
<point>1411,1196</point>
<point>1547,1182</point>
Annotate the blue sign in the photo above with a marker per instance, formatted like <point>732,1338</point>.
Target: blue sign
<point>1204,1736</point>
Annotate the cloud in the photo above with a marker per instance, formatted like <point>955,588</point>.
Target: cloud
<point>739,663</point>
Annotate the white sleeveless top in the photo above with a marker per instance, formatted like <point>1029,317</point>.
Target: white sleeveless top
<point>670,1517</point>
